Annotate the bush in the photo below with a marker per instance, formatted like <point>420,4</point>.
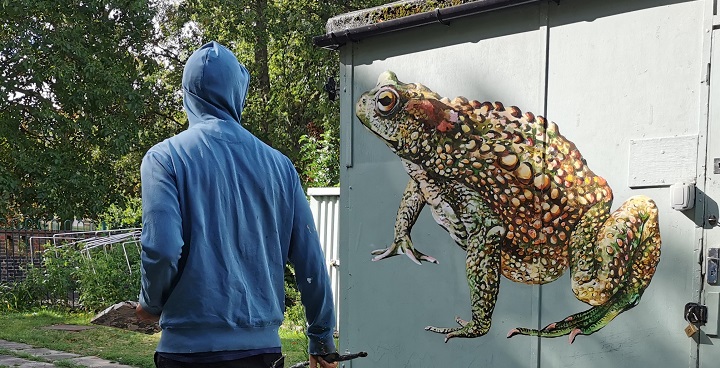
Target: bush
<point>130,216</point>
<point>24,295</point>
<point>100,276</point>
<point>45,286</point>
<point>109,276</point>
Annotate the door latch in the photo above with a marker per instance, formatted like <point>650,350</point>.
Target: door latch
<point>713,266</point>
<point>712,220</point>
<point>696,313</point>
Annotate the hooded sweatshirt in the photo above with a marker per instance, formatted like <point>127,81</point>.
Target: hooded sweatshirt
<point>222,215</point>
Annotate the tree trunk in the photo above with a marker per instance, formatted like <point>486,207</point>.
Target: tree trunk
<point>261,59</point>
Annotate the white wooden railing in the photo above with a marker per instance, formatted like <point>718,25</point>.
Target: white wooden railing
<point>325,205</point>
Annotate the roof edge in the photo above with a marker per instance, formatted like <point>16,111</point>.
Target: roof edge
<point>370,22</point>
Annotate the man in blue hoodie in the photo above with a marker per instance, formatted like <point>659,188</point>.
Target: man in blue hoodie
<point>222,215</point>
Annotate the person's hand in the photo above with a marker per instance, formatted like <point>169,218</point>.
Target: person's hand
<point>143,315</point>
<point>317,361</point>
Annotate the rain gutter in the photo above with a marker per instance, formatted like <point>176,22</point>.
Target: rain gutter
<point>333,40</point>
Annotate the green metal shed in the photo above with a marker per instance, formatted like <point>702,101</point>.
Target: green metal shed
<point>546,171</point>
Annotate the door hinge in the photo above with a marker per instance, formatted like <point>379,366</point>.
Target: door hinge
<point>707,74</point>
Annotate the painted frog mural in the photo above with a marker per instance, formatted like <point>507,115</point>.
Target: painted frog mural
<point>519,198</point>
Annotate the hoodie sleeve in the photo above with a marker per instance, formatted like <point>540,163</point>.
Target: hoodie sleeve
<point>162,232</point>
<point>312,278</point>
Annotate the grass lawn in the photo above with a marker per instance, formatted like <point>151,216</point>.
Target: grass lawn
<point>113,344</point>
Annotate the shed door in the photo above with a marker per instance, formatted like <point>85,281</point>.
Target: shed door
<point>709,353</point>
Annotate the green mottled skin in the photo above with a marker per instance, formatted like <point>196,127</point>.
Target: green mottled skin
<point>518,198</point>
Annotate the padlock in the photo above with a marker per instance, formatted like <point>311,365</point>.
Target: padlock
<point>691,330</point>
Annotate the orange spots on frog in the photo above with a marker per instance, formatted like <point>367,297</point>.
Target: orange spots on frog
<point>524,173</point>
<point>530,117</point>
<point>485,108</point>
<point>508,162</point>
<point>431,112</point>
<point>542,121</point>
<point>445,126</point>
<point>541,182</point>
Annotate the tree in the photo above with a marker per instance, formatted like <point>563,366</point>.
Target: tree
<point>76,102</point>
<point>286,107</point>
<point>88,86</point>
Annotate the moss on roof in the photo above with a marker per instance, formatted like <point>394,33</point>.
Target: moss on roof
<point>395,10</point>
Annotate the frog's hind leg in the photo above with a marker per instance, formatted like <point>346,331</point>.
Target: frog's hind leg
<point>482,266</point>
<point>611,267</point>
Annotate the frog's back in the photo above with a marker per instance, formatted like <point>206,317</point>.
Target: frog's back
<point>533,178</point>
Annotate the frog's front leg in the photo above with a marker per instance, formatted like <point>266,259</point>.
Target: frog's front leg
<point>482,267</point>
<point>611,267</point>
<point>410,206</point>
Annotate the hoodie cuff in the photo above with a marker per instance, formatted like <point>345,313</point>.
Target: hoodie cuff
<point>322,347</point>
<point>148,308</point>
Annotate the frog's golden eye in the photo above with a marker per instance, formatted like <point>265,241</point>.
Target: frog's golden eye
<point>386,101</point>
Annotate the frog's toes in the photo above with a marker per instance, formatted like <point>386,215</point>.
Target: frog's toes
<point>418,257</point>
<point>583,323</point>
<point>385,253</point>
<point>574,333</point>
<point>394,250</point>
<point>467,329</point>
<point>461,321</point>
<point>545,332</point>
<point>522,331</point>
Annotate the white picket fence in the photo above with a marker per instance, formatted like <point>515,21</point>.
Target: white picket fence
<point>325,205</point>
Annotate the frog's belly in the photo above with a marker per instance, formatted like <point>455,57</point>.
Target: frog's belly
<point>535,264</point>
<point>452,208</point>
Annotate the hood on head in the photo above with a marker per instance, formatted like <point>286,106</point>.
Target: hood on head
<point>214,85</point>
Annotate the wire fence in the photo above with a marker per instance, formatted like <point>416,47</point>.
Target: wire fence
<point>24,242</point>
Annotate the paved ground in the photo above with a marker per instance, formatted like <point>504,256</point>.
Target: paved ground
<point>45,358</point>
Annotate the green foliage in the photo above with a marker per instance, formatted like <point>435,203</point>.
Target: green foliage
<point>320,158</point>
<point>48,286</point>
<point>23,295</point>
<point>87,87</point>
<point>294,312</point>
<point>273,39</point>
<point>76,97</point>
<point>129,216</point>
<point>108,277</point>
<point>100,276</point>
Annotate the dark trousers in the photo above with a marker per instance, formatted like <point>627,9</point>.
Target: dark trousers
<point>256,361</point>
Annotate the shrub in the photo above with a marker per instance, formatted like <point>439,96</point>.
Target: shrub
<point>109,276</point>
<point>100,276</point>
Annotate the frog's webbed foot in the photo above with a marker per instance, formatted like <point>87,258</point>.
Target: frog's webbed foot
<point>403,246</point>
<point>583,323</point>
<point>483,273</point>
<point>467,329</point>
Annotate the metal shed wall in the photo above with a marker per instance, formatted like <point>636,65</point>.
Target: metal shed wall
<point>611,74</point>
